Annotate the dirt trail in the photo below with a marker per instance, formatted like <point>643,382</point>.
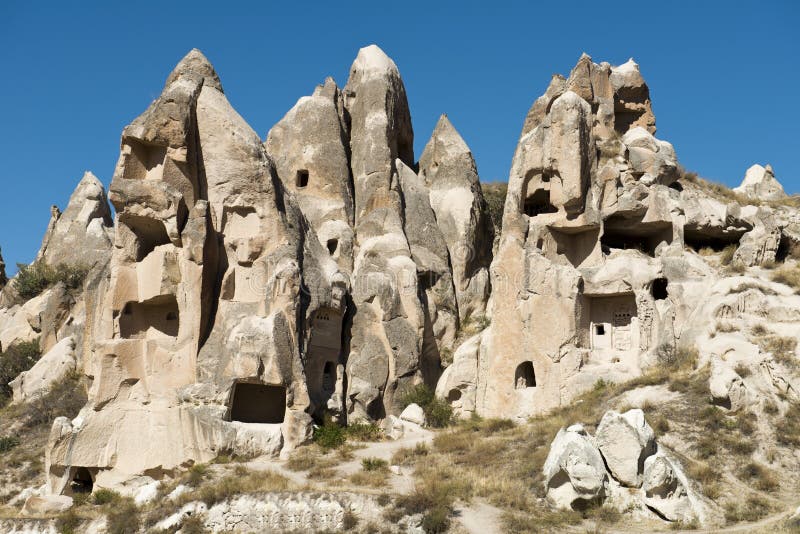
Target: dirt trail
<point>479,518</point>
<point>401,483</point>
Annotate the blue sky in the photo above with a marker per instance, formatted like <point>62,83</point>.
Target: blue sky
<point>723,77</point>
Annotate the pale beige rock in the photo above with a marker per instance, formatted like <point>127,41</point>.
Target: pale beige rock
<point>760,183</point>
<point>625,441</point>
<point>449,171</point>
<point>574,472</point>
<point>82,234</point>
<point>50,368</point>
<point>43,505</point>
<point>413,414</point>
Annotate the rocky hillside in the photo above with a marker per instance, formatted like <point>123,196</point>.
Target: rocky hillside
<point>319,331</point>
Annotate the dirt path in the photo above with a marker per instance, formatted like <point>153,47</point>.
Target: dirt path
<point>479,517</point>
<point>401,482</point>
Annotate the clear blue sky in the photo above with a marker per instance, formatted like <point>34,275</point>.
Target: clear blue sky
<point>723,77</point>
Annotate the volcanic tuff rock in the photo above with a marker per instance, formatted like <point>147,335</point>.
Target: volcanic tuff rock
<point>759,182</point>
<point>249,288</point>
<point>625,446</point>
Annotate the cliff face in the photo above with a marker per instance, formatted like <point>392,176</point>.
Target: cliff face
<point>247,288</point>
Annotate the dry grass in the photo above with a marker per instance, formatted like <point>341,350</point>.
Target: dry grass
<point>783,349</point>
<point>760,476</point>
<point>788,275</point>
<point>242,481</point>
<point>316,457</point>
<point>374,473</point>
<point>408,455</point>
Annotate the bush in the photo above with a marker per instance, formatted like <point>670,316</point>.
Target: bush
<point>788,431</point>
<point>330,435</point>
<point>68,522</point>
<point>364,432</point>
<point>752,509</point>
<point>438,413</point>
<point>349,521</point>
<point>374,464</point>
<point>787,275</point>
<point>436,521</point>
<point>495,195</point>
<point>726,255</point>
<point>123,517</point>
<point>760,476</point>
<point>18,358</point>
<point>8,442</point>
<point>105,496</point>
<point>782,349</point>
<point>193,524</point>
<point>33,279</point>
<point>64,398</point>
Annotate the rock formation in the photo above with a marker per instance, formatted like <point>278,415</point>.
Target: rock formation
<point>759,182</point>
<point>581,470</point>
<point>248,289</point>
<point>83,233</point>
<point>3,277</point>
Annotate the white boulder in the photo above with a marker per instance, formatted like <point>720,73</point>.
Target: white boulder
<point>625,441</point>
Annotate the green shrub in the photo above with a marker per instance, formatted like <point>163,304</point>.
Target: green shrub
<point>18,358</point>
<point>8,442</point>
<point>196,475</point>
<point>349,521</point>
<point>374,464</point>
<point>68,522</point>
<point>33,279</point>
<point>438,413</point>
<point>193,524</point>
<point>330,435</point>
<point>788,431</point>
<point>495,195</point>
<point>123,517</point>
<point>436,521</point>
<point>105,496</point>
<point>63,398</point>
<point>364,432</point>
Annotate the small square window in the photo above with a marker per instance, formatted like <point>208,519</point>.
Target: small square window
<point>302,178</point>
<point>600,329</point>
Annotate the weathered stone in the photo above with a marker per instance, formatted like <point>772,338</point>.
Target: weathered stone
<point>760,183</point>
<point>625,441</point>
<point>667,490</point>
<point>82,234</point>
<point>53,366</point>
<point>413,414</point>
<point>575,476</point>
<point>448,170</point>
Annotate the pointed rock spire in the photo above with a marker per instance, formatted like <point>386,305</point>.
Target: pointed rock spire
<point>83,231</point>
<point>3,277</point>
<point>448,169</point>
<point>760,182</point>
<point>196,63</point>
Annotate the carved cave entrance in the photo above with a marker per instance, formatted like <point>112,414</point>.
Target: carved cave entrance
<point>156,317</point>
<point>82,481</point>
<point>150,233</point>
<point>323,356</point>
<point>627,234</point>
<point>716,241</point>
<point>536,194</point>
<point>258,403</point>
<point>613,322</point>
<point>524,377</point>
